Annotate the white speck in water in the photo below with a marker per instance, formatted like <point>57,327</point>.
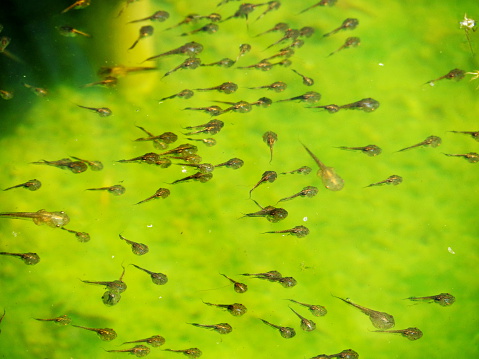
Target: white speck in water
<point>15,234</point>
<point>381,64</point>
<point>305,219</point>
<point>449,249</point>
<point>112,257</point>
<point>149,225</point>
<point>184,170</point>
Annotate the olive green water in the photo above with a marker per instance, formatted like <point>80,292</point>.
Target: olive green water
<point>375,245</point>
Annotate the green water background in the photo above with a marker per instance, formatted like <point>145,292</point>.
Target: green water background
<point>373,245</point>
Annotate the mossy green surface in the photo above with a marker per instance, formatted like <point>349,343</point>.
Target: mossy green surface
<point>375,245</point>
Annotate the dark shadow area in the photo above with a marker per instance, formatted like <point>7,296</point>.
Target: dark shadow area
<point>40,56</point>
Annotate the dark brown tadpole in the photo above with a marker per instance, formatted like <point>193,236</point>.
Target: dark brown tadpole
<point>187,20</point>
<point>238,287</point>
<point>289,34</point>
<point>27,258</point>
<point>235,309</point>
<point>40,92</point>
<point>225,62</point>
<point>221,328</point>
<point>233,163</point>
<point>454,74</point>
<point>190,63</point>
<point>61,320</point>
<point>298,231</point>
<point>145,31</point>
<point>156,278</point>
<point>272,214</point>
<point>286,53</point>
<point>271,5</point>
<point>305,170</point>
<point>94,165</point>
<point>366,104</point>
<point>105,334</point>
<point>348,24</point>
<point>211,127</point>
<point>198,176</point>
<point>159,16</point>
<point>239,107</point>
<point>212,110</point>
<point>65,163</point>
<point>316,310</point>
<point>308,191</point>
<point>443,299</point>
<point>184,94</point>
<point>286,332</point>
<point>431,141</point>
<point>101,111</point>
<point>278,86</point>
<point>263,65</point>
<point>306,324</point>
<point>190,49</point>
<point>267,176</point>
<point>108,82</point>
<point>243,11</point>
<point>225,87</point>
<point>309,97</point>
<point>116,286</point>
<point>393,179</point>
<point>471,157</point>
<point>321,3</point>
<point>345,354</point>
<point>271,275</point>
<point>280,26</point>
<point>121,70</point>
<point>116,189</point>
<point>154,341</point>
<point>159,141</point>
<point>409,333</point>
<point>77,5</point>
<point>380,320</point>
<point>332,108</point>
<point>137,248</point>
<point>69,31</point>
<point>370,150</point>
<point>350,42</point>
<point>190,353</point>
<point>274,276</point>
<point>150,158</point>
<point>210,28</point>
<point>31,185</point>
<point>82,237</point>
<point>306,80</point>
<point>160,193</point>
<point>137,350</point>
<point>270,138</point>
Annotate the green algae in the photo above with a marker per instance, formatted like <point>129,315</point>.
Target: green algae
<point>376,246</point>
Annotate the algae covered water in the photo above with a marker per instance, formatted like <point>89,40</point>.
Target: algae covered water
<point>413,233</point>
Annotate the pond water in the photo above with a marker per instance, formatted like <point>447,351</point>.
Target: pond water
<point>374,245</point>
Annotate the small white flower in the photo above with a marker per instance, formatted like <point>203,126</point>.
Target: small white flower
<point>467,23</point>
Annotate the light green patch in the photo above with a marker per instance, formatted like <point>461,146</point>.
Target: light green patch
<point>375,245</point>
